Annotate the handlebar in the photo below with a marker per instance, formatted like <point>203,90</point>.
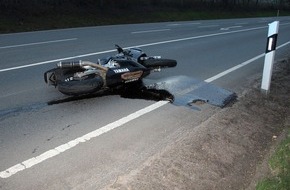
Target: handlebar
<point>121,50</point>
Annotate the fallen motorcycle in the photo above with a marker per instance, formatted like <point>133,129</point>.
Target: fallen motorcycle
<point>128,66</point>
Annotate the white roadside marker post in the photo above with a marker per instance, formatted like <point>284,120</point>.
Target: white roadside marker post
<point>270,55</point>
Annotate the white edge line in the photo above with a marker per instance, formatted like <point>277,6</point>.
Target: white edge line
<point>38,43</point>
<point>211,79</point>
<point>64,147</point>
<point>233,69</point>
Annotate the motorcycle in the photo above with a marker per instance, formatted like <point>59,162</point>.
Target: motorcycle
<point>128,66</point>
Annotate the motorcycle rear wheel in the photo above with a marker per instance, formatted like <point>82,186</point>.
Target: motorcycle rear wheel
<point>88,85</point>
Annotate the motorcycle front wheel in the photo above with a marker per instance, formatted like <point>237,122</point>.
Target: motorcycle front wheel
<point>152,63</point>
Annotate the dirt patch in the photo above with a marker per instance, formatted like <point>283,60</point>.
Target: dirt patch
<point>225,151</point>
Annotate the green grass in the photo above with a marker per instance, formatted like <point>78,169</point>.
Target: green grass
<point>18,21</point>
<point>280,165</point>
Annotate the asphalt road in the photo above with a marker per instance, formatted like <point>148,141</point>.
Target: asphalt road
<point>86,144</point>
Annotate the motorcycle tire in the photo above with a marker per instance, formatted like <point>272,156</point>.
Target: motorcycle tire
<point>159,63</point>
<point>91,84</point>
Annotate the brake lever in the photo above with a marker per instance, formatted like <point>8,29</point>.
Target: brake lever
<point>119,49</point>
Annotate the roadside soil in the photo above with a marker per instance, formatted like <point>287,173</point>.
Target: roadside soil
<point>227,151</point>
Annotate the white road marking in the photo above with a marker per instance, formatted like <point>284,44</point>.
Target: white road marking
<point>37,43</point>
<point>184,24</point>
<point>233,68</point>
<point>208,26</point>
<point>64,147</point>
<point>150,31</point>
<point>192,23</point>
<point>230,27</point>
<point>143,45</point>
<point>283,24</point>
<point>240,65</point>
<point>174,24</point>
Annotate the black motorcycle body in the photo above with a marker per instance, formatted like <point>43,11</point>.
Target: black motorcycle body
<point>84,77</point>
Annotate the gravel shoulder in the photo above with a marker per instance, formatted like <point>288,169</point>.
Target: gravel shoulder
<point>227,151</point>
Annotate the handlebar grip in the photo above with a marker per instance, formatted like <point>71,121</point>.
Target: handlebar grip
<point>69,64</point>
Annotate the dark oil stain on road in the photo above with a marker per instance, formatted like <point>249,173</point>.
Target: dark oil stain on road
<point>188,91</point>
<point>130,92</point>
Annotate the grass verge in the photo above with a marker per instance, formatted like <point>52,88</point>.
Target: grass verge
<point>280,167</point>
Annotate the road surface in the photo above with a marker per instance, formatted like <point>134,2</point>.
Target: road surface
<point>86,144</point>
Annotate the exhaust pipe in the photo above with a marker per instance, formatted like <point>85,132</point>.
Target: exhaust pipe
<point>80,64</point>
<point>69,64</point>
